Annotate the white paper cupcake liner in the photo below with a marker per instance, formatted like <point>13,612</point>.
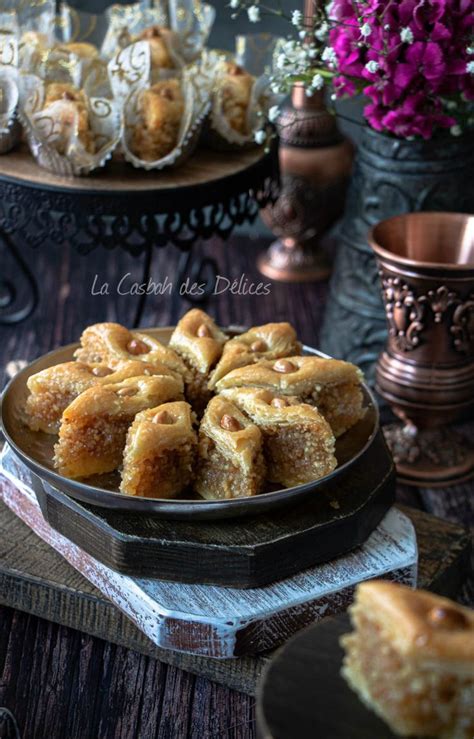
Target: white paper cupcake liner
<point>219,134</point>
<point>44,130</point>
<point>196,95</point>
<point>10,129</point>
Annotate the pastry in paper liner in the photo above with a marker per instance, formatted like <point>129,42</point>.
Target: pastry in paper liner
<point>184,25</point>
<point>10,128</point>
<point>218,133</point>
<point>195,93</point>
<point>53,132</point>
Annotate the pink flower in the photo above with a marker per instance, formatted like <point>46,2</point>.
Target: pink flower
<point>405,78</point>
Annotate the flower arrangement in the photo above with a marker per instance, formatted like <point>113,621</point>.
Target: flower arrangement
<point>412,59</point>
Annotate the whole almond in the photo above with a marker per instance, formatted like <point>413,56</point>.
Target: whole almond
<point>230,423</point>
<point>284,366</point>
<point>258,346</point>
<point>447,618</point>
<point>203,331</point>
<point>126,392</point>
<point>279,403</point>
<point>136,346</point>
<point>162,417</point>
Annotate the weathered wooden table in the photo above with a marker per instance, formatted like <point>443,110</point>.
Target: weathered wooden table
<point>60,682</point>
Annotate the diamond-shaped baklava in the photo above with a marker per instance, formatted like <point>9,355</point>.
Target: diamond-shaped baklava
<point>54,388</point>
<point>199,342</point>
<point>333,386</point>
<point>94,426</point>
<point>112,343</point>
<point>270,341</point>
<point>411,660</point>
<point>230,453</point>
<point>160,452</point>
<point>298,442</point>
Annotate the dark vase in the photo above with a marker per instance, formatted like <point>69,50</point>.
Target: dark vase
<point>390,177</point>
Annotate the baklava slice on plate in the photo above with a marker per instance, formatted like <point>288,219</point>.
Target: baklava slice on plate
<point>112,343</point>
<point>270,341</point>
<point>298,442</point>
<point>230,453</point>
<point>199,342</point>
<point>94,426</point>
<point>54,388</point>
<point>333,386</point>
<point>411,660</point>
<point>160,452</point>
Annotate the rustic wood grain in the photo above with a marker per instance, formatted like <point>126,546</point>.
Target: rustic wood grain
<point>66,307</point>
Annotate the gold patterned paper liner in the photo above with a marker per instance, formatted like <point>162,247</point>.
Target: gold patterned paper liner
<point>45,130</point>
<point>9,97</point>
<point>219,134</point>
<point>196,107</point>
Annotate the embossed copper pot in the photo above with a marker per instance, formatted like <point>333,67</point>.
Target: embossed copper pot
<point>426,372</point>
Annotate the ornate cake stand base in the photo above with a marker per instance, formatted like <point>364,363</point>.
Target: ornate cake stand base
<point>289,261</point>
<point>430,457</point>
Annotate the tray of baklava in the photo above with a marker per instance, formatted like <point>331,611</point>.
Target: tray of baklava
<point>191,421</point>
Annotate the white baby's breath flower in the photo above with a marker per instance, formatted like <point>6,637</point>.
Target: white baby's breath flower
<point>329,55</point>
<point>281,61</point>
<point>234,4</point>
<point>253,13</point>
<point>455,130</point>
<point>302,34</point>
<point>297,17</point>
<point>260,137</point>
<point>273,113</point>
<point>317,82</point>
<point>321,32</point>
<point>309,92</point>
<point>470,67</point>
<point>470,50</point>
<point>312,52</point>
<point>366,30</point>
<point>406,35</point>
<point>386,27</point>
<point>372,66</point>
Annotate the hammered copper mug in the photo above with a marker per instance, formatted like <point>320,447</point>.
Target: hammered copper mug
<point>426,372</point>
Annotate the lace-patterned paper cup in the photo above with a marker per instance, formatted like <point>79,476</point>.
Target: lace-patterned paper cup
<point>196,107</point>
<point>218,133</point>
<point>53,131</point>
<point>10,128</point>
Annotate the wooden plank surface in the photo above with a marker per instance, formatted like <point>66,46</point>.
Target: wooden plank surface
<point>64,596</point>
<point>60,682</point>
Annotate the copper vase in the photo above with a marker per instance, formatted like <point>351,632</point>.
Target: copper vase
<point>426,372</point>
<point>315,165</point>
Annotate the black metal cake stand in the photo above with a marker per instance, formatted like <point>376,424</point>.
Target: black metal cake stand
<point>120,207</point>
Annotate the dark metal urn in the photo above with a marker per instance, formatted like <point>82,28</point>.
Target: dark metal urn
<point>390,177</point>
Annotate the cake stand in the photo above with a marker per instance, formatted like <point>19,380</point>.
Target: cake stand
<point>120,207</point>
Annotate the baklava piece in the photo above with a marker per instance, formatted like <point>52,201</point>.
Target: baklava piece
<point>411,660</point>
<point>159,39</point>
<point>94,426</point>
<point>160,452</point>
<point>271,341</point>
<point>54,388</point>
<point>161,109</point>
<point>199,342</point>
<point>333,386</point>
<point>298,442</point>
<point>236,86</point>
<point>230,453</point>
<point>74,108</point>
<point>112,343</point>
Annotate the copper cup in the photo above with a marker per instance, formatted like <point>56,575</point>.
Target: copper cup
<point>426,373</point>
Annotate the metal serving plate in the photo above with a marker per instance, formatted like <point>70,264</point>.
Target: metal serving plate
<point>35,449</point>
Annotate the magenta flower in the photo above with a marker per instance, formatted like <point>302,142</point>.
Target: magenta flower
<point>413,62</point>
